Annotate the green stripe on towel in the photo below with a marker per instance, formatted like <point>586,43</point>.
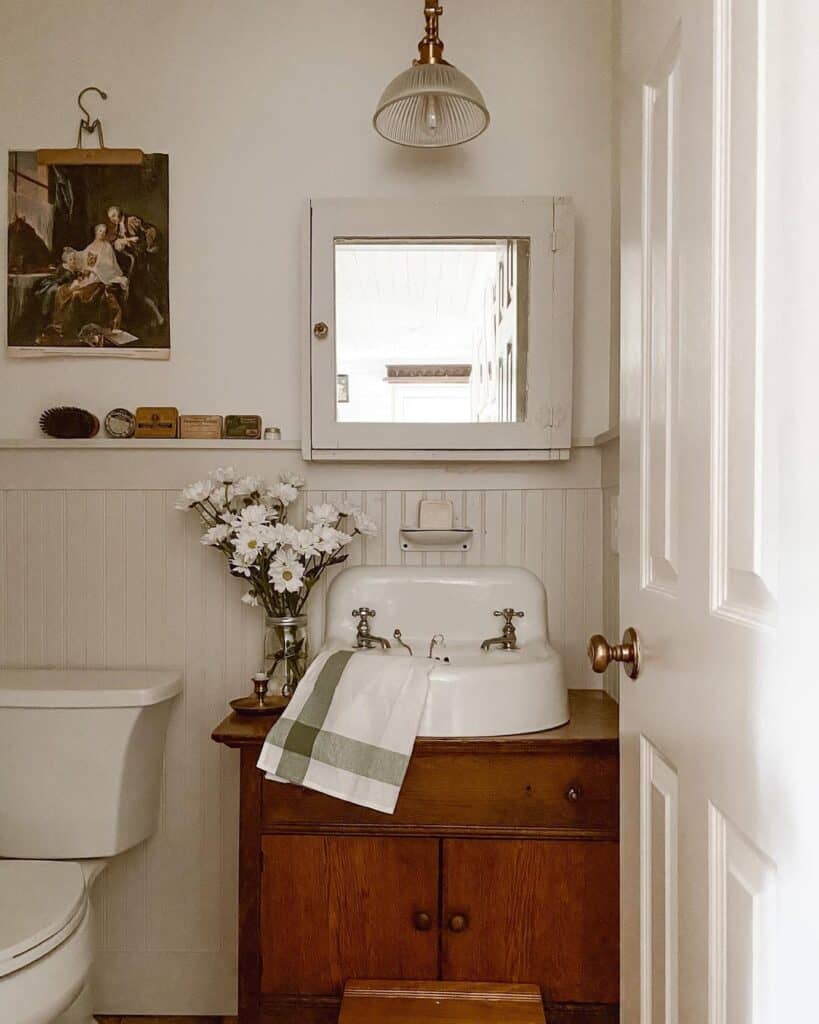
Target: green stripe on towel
<point>298,737</point>
<point>302,740</point>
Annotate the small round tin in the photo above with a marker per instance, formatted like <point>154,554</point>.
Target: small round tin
<point>120,423</point>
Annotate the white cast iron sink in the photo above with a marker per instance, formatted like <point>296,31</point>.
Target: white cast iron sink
<point>475,693</point>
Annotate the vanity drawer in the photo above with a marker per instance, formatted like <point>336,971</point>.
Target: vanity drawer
<point>550,790</point>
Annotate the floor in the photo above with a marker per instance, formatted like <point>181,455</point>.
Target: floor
<point>166,1020</point>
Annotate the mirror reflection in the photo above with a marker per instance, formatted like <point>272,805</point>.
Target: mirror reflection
<point>431,330</point>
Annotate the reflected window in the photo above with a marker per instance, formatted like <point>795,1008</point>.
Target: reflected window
<point>416,322</point>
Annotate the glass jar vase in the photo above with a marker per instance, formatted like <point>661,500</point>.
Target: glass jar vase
<point>285,652</point>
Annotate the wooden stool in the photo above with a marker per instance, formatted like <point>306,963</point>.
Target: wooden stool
<point>440,1002</point>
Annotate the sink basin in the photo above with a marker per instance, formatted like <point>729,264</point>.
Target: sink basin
<point>474,693</point>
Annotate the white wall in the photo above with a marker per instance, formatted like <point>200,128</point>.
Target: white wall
<point>262,103</point>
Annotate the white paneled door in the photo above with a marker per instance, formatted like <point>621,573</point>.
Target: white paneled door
<point>718,533</point>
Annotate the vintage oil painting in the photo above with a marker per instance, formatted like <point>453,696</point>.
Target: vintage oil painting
<point>88,259</point>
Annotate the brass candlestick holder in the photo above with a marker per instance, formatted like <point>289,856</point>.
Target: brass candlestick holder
<point>260,702</point>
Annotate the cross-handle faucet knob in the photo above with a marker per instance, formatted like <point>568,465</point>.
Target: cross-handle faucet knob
<point>363,614</point>
<point>508,614</point>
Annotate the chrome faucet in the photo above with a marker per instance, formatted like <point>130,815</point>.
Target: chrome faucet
<point>508,640</point>
<point>363,637</point>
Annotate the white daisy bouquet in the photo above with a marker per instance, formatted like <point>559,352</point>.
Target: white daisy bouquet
<point>246,519</point>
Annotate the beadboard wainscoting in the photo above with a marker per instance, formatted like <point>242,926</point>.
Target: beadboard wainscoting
<point>118,578</point>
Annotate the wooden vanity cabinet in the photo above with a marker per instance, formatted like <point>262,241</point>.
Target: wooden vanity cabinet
<point>499,865</point>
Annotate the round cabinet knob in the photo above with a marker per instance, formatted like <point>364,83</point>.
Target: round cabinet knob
<point>422,921</point>
<point>602,653</point>
<point>321,330</point>
<point>573,794</point>
<point>458,923</point>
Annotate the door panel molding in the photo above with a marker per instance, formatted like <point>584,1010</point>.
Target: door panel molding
<point>743,487</point>
<point>660,323</point>
<point>741,922</point>
<point>658,886</point>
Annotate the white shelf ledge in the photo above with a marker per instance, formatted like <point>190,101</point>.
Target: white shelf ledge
<point>132,443</point>
<point>599,439</point>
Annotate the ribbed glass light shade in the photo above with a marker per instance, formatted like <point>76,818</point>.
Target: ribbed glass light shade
<point>431,105</point>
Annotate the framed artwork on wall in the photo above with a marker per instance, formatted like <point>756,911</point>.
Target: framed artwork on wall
<point>88,259</point>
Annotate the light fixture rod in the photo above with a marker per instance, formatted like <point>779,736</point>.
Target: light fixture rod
<point>431,49</point>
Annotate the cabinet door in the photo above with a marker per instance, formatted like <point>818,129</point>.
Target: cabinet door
<point>544,912</point>
<point>335,908</point>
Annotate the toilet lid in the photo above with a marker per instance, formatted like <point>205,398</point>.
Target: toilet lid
<point>38,898</point>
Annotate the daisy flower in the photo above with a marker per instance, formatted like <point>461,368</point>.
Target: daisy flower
<point>193,494</point>
<point>279,534</point>
<point>283,492</point>
<point>305,543</point>
<point>286,573</point>
<point>253,515</point>
<point>248,544</point>
<point>293,479</point>
<point>365,524</point>
<point>323,515</point>
<point>244,487</point>
<point>329,540</point>
<point>239,567</point>
<point>215,535</point>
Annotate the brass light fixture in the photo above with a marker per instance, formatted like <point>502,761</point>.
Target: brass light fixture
<point>432,104</point>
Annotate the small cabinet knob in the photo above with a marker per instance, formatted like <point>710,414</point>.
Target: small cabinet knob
<point>458,923</point>
<point>602,653</point>
<point>321,330</point>
<point>573,794</point>
<point>421,921</point>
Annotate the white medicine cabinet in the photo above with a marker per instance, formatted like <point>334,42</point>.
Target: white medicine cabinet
<point>439,329</point>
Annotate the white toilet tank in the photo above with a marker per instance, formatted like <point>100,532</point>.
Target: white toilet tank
<point>81,754</point>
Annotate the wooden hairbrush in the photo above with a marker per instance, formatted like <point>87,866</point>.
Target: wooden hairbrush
<point>66,421</point>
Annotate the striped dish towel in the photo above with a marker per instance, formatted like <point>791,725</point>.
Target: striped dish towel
<point>350,728</point>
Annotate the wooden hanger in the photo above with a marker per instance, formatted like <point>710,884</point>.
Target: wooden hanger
<point>101,155</point>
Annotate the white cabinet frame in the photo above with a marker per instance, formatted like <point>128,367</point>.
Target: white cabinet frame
<point>546,433</point>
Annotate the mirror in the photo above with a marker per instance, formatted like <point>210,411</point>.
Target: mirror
<point>431,330</point>
<point>439,328</point>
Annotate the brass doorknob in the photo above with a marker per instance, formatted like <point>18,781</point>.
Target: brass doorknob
<point>458,923</point>
<point>422,921</point>
<point>602,653</point>
<point>321,330</point>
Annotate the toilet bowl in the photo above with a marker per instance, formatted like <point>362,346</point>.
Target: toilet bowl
<point>80,771</point>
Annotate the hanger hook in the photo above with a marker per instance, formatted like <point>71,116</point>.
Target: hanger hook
<point>90,88</point>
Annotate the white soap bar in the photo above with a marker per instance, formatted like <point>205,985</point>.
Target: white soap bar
<point>435,515</point>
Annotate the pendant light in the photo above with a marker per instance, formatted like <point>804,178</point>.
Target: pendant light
<point>431,104</point>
